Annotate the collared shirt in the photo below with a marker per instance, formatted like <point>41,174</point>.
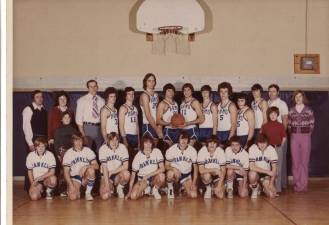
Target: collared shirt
<point>113,159</point>
<point>263,159</point>
<point>241,158</point>
<point>84,109</point>
<point>282,106</point>
<point>27,127</point>
<point>215,161</point>
<point>40,164</point>
<point>144,165</point>
<point>182,160</point>
<point>78,159</point>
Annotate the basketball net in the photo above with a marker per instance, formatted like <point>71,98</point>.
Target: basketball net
<point>170,41</point>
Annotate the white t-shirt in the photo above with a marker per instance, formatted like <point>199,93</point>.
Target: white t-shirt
<point>144,165</point>
<point>240,159</point>
<point>282,105</point>
<point>181,160</point>
<point>211,162</point>
<point>78,159</point>
<point>263,159</point>
<point>113,158</point>
<point>40,164</point>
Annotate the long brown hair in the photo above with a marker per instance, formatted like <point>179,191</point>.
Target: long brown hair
<point>305,100</point>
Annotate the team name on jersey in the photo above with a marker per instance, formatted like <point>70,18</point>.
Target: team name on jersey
<point>222,112</point>
<point>147,163</point>
<point>113,157</point>
<point>132,113</point>
<point>236,161</point>
<point>154,101</point>
<point>40,164</point>
<point>185,107</point>
<point>211,160</point>
<point>79,159</point>
<point>182,158</point>
<point>262,158</point>
<point>206,111</point>
<point>173,108</point>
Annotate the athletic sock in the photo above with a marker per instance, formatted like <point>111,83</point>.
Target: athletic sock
<point>49,190</point>
<point>254,186</point>
<point>90,185</point>
<point>170,185</point>
<point>229,184</point>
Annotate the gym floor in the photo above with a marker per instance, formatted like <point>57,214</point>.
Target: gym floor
<point>290,208</point>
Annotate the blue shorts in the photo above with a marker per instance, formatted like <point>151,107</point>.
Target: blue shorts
<point>193,133</point>
<point>147,129</point>
<point>256,132</point>
<point>149,180</point>
<point>171,134</point>
<point>77,178</point>
<point>263,176</point>
<point>215,178</point>
<point>132,140</point>
<point>184,177</point>
<point>243,140</point>
<point>223,136</point>
<point>204,134</point>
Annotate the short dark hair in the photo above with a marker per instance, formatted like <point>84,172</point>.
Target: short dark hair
<point>184,135</point>
<point>206,88</point>
<point>112,135</point>
<point>66,113</point>
<point>261,138</point>
<point>35,92</point>
<point>305,100</point>
<point>274,86</point>
<point>147,138</point>
<point>271,110</point>
<point>110,90</point>
<point>76,136</point>
<point>128,89</point>
<point>146,77</point>
<point>168,87</point>
<point>60,94</point>
<point>212,138</point>
<point>242,95</point>
<point>256,87</point>
<point>226,85</point>
<point>234,139</point>
<point>91,81</point>
<point>41,140</point>
<point>188,85</point>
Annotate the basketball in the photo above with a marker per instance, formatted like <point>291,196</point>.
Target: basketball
<point>177,120</point>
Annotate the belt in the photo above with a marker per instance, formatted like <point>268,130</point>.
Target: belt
<point>276,146</point>
<point>93,124</point>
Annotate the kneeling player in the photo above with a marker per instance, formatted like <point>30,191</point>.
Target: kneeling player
<point>237,165</point>
<point>79,168</point>
<point>179,160</point>
<point>211,161</point>
<point>148,165</point>
<point>114,166</point>
<point>263,159</point>
<point>41,166</point>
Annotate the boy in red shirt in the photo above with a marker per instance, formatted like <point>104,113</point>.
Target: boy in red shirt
<point>276,134</point>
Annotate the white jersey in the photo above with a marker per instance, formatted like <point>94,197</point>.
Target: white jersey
<point>40,164</point>
<point>172,109</point>
<point>78,159</point>
<point>181,160</point>
<point>144,165</point>
<point>242,126</point>
<point>282,106</point>
<point>131,120</point>
<point>206,111</point>
<point>258,114</point>
<point>113,158</point>
<point>153,102</point>
<point>240,159</point>
<point>263,159</point>
<point>188,112</point>
<point>224,117</point>
<point>112,120</point>
<point>211,162</point>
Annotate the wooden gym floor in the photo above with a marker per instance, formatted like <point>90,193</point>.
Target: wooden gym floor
<point>290,208</point>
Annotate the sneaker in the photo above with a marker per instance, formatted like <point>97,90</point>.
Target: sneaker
<point>254,193</point>
<point>147,190</point>
<point>208,192</point>
<point>120,191</point>
<point>171,193</point>
<point>89,197</point>
<point>229,193</point>
<point>63,194</point>
<point>49,196</point>
<point>155,193</point>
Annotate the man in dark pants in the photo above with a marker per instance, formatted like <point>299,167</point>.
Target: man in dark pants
<point>34,124</point>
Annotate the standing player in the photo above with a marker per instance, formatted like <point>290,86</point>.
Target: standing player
<point>166,109</point>
<point>259,106</point>
<point>128,120</point>
<point>192,111</point>
<point>245,121</point>
<point>79,168</point>
<point>211,161</point>
<point>41,166</point>
<point>209,110</point>
<point>148,101</point>
<point>149,167</point>
<point>227,113</point>
<point>180,158</point>
<point>237,165</point>
<point>113,157</point>
<point>263,166</point>
<point>109,114</point>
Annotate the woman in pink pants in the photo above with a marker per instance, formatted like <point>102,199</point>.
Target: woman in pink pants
<point>300,126</point>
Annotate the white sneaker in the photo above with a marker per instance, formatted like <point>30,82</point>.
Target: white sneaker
<point>207,193</point>
<point>63,194</point>
<point>229,193</point>
<point>120,191</point>
<point>155,193</point>
<point>147,190</point>
<point>49,196</point>
<point>254,193</point>
<point>171,193</point>
<point>89,197</point>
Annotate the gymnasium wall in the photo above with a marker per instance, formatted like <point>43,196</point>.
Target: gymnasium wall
<point>61,44</point>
